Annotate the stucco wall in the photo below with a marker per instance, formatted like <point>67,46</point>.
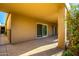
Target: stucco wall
<point>24,28</point>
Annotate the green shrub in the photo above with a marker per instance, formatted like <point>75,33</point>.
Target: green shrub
<point>67,53</point>
<point>73,31</point>
<point>77,46</point>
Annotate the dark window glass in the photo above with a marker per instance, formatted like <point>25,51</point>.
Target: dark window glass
<point>39,30</point>
<point>44,30</point>
<point>2,30</point>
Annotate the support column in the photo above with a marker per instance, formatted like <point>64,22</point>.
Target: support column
<point>8,27</point>
<point>61,28</point>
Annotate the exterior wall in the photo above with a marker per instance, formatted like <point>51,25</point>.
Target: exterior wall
<point>24,28</point>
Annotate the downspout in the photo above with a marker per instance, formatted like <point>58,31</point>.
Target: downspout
<point>66,41</point>
<point>67,8</point>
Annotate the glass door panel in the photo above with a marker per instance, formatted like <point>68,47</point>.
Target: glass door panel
<point>39,30</point>
<point>44,33</point>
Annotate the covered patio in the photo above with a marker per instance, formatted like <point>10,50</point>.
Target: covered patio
<point>21,26</point>
<point>42,47</point>
<point>48,13</point>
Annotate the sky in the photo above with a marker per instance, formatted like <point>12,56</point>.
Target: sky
<point>2,18</point>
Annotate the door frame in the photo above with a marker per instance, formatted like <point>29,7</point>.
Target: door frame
<point>47,30</point>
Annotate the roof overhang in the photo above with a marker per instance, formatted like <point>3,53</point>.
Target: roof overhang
<point>43,11</point>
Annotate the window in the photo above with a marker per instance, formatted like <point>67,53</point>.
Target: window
<point>41,30</point>
<point>44,29</point>
<point>2,30</point>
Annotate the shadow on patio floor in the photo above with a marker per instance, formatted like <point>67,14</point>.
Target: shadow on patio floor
<point>53,51</point>
<point>41,47</point>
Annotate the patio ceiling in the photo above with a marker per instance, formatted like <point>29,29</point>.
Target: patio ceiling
<point>43,11</point>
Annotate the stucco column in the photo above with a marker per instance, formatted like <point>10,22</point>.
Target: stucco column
<point>8,27</point>
<point>61,28</point>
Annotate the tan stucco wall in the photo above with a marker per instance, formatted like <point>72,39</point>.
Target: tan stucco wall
<point>24,28</point>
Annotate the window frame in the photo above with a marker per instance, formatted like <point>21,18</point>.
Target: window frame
<point>43,24</point>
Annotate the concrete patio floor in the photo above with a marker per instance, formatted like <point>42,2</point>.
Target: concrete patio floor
<point>40,47</point>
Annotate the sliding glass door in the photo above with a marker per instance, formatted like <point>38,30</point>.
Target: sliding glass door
<point>44,30</point>
<point>41,30</point>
